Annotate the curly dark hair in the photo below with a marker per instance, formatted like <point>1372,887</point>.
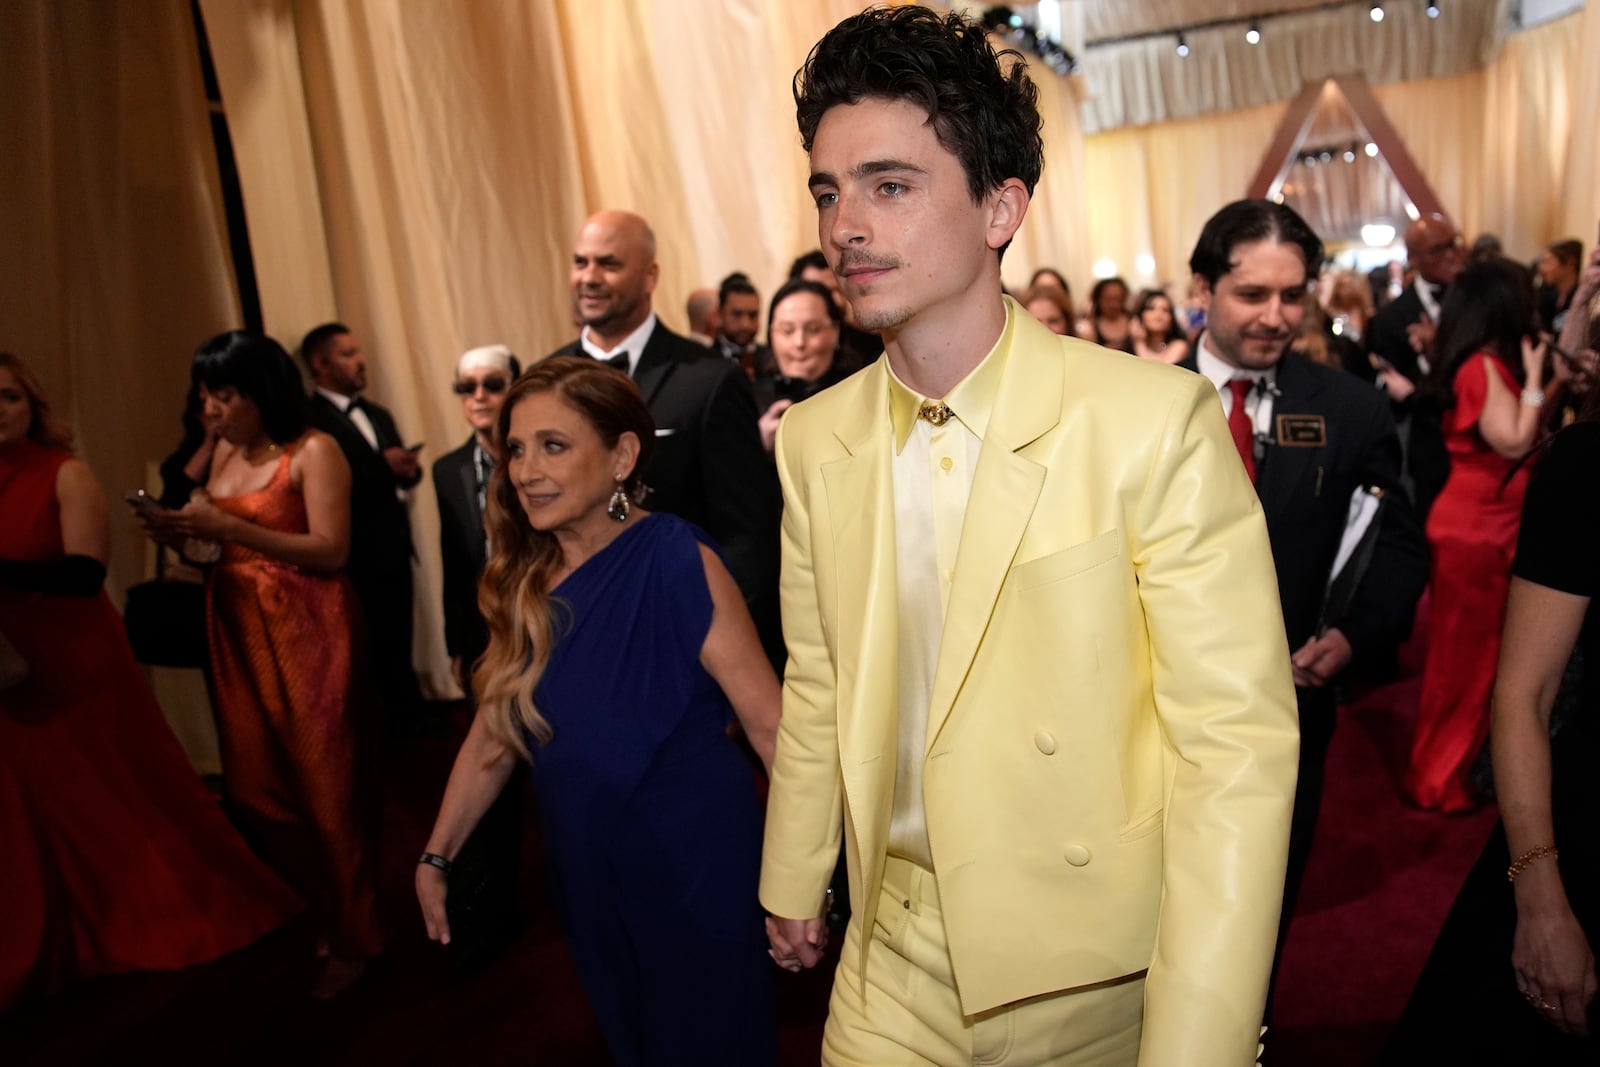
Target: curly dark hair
<point>1245,222</point>
<point>985,116</point>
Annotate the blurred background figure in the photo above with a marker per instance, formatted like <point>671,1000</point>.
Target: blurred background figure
<point>294,717</point>
<point>486,868</point>
<point>738,322</point>
<point>1488,373</point>
<point>1051,306</point>
<point>1155,329</point>
<point>701,311</point>
<point>1349,304</point>
<point>803,329</point>
<point>1558,269</point>
<point>1109,323</point>
<point>1485,246</point>
<point>117,857</point>
<point>857,347</point>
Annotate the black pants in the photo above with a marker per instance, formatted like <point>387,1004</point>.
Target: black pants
<point>385,595</point>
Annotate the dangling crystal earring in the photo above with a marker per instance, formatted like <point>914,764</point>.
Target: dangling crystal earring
<point>617,509</point>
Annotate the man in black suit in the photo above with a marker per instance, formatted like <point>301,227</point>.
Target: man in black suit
<point>381,469</point>
<point>708,467</point>
<point>1312,437</point>
<point>1398,338</point>
<point>738,322</point>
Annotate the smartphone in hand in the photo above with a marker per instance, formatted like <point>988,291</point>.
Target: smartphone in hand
<point>142,502</point>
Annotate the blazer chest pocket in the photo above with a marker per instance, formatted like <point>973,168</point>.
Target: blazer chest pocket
<point>1068,562</point>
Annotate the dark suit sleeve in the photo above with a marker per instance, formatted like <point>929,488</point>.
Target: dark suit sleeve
<point>742,501</point>
<point>459,581</point>
<point>389,437</point>
<point>1381,611</point>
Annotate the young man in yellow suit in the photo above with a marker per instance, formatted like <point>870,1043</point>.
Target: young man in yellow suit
<point>1037,666</point>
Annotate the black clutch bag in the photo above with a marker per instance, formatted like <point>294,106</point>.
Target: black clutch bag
<point>166,623</point>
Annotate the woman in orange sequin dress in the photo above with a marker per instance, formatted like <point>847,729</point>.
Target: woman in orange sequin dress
<point>292,705</point>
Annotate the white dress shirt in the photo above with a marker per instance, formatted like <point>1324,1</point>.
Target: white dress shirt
<point>633,344</point>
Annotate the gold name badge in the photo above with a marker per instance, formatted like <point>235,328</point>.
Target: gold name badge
<point>1302,431</point>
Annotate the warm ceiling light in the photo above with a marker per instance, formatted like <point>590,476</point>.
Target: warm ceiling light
<point>1371,150</point>
<point>1253,34</point>
<point>1183,47</point>
<point>1376,13</point>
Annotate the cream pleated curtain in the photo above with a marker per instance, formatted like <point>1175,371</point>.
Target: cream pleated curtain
<point>1499,146</point>
<point>116,261</point>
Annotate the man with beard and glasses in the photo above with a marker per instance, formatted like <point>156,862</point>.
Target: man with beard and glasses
<point>708,465</point>
<point>1037,668</point>
<point>1311,437</point>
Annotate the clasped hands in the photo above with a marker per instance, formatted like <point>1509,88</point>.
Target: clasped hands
<point>798,944</point>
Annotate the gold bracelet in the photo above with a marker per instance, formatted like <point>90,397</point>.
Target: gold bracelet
<point>1528,858</point>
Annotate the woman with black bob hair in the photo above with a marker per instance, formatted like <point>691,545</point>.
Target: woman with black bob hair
<point>291,696</point>
<point>1492,402</point>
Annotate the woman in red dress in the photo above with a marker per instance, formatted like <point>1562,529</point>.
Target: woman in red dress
<point>1492,420</point>
<point>117,859</point>
<point>293,708</point>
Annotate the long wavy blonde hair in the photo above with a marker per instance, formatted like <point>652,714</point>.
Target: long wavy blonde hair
<point>513,595</point>
<point>44,428</point>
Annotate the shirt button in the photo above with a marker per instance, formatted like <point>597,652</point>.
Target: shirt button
<point>1076,855</point>
<point>946,463</point>
<point>906,904</point>
<point>1044,742</point>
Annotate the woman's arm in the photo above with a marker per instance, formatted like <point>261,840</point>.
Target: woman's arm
<point>480,772</point>
<point>1506,424</point>
<point>85,527</point>
<point>733,656</point>
<point>324,481</point>
<point>1551,956</point>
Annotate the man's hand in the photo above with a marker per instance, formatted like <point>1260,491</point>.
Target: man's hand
<point>403,462</point>
<point>1397,385</point>
<point>768,423</point>
<point>1420,334</point>
<point>1320,660</point>
<point>796,943</point>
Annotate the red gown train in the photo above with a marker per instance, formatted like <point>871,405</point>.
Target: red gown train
<point>116,857</point>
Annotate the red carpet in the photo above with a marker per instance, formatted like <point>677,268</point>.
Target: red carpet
<point>1381,879</point>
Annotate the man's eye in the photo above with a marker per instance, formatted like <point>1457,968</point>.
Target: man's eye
<point>891,188</point>
<point>827,199</point>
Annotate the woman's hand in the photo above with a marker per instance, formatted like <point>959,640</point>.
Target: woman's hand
<point>1555,969</point>
<point>203,519</point>
<point>432,889</point>
<point>768,423</point>
<point>1535,354</point>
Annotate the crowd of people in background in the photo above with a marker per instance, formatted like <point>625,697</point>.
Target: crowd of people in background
<point>618,500</point>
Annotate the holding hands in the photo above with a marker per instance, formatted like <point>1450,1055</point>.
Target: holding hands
<point>798,944</point>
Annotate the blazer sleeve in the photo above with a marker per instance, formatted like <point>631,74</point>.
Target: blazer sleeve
<point>805,807</point>
<point>1225,700</point>
<point>1385,602</point>
<point>389,437</point>
<point>459,582</point>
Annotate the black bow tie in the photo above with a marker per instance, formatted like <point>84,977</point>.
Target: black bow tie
<point>354,406</point>
<point>618,360</point>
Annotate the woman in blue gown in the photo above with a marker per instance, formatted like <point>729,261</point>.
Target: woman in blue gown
<point>619,648</point>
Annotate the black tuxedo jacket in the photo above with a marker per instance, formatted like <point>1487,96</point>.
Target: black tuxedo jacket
<point>1426,460</point>
<point>1305,495</point>
<point>463,546</point>
<point>380,529</point>
<point>709,466</point>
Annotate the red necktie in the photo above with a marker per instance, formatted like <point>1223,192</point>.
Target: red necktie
<point>1239,425</point>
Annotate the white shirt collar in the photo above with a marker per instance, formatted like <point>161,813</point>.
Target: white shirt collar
<point>1428,292</point>
<point>1219,374</point>
<point>633,344</point>
<point>338,400</point>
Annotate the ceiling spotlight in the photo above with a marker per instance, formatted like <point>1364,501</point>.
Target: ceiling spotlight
<point>1253,34</point>
<point>1310,161</point>
<point>1371,150</point>
<point>1183,47</point>
<point>1325,156</point>
<point>1432,9</point>
<point>1376,13</point>
<point>1349,155</point>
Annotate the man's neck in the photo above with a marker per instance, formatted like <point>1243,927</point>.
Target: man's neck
<point>484,439</point>
<point>336,391</point>
<point>611,335</point>
<point>933,353</point>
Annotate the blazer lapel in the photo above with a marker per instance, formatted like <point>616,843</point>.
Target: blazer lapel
<point>655,365</point>
<point>1005,489</point>
<point>1283,467</point>
<point>860,494</point>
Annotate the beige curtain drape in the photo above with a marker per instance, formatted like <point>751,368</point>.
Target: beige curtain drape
<point>1499,146</point>
<point>116,262</point>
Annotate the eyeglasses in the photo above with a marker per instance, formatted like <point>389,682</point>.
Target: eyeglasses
<point>494,385</point>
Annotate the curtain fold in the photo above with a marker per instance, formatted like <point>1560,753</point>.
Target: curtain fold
<point>111,215</point>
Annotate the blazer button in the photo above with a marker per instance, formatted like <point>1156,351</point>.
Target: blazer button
<point>1076,855</point>
<point>1044,742</point>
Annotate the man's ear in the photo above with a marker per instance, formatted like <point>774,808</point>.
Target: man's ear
<point>1009,204</point>
<point>1202,292</point>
